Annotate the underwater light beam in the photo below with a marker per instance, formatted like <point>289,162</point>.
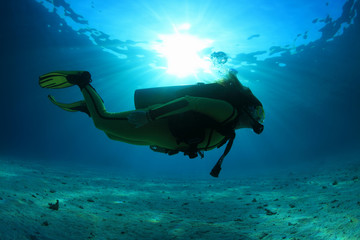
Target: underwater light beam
<point>182,52</point>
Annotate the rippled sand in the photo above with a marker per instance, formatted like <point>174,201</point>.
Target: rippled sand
<point>325,205</point>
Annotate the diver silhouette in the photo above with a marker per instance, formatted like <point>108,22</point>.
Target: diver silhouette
<point>189,119</point>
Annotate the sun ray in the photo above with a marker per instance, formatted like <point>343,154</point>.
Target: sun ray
<point>183,52</point>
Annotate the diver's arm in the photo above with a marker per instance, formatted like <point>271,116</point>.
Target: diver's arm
<point>219,110</point>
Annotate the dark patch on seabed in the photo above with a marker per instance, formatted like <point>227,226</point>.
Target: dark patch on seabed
<point>40,202</point>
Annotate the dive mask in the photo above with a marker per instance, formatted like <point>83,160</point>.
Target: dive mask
<point>257,114</point>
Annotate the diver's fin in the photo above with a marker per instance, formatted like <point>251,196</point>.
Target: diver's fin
<point>64,79</point>
<point>79,106</point>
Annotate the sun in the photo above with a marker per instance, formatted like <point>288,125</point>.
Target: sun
<point>182,52</point>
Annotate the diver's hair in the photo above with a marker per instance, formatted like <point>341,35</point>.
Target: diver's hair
<point>230,80</point>
<point>238,94</point>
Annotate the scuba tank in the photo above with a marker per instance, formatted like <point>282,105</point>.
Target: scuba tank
<point>144,98</point>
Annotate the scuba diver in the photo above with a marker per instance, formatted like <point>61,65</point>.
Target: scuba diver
<point>189,119</point>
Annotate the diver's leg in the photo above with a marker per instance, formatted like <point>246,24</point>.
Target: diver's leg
<point>117,125</point>
<point>103,120</point>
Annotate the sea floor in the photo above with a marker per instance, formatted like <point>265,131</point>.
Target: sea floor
<point>324,205</point>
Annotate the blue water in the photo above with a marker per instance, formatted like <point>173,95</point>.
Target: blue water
<point>300,58</point>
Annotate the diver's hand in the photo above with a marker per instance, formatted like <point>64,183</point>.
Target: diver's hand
<point>138,118</point>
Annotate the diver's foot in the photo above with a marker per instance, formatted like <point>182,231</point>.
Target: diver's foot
<point>64,79</point>
<point>79,106</point>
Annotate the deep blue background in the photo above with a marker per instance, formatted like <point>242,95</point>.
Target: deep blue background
<point>312,104</point>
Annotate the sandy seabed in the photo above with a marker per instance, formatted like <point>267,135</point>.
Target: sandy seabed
<point>91,205</point>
